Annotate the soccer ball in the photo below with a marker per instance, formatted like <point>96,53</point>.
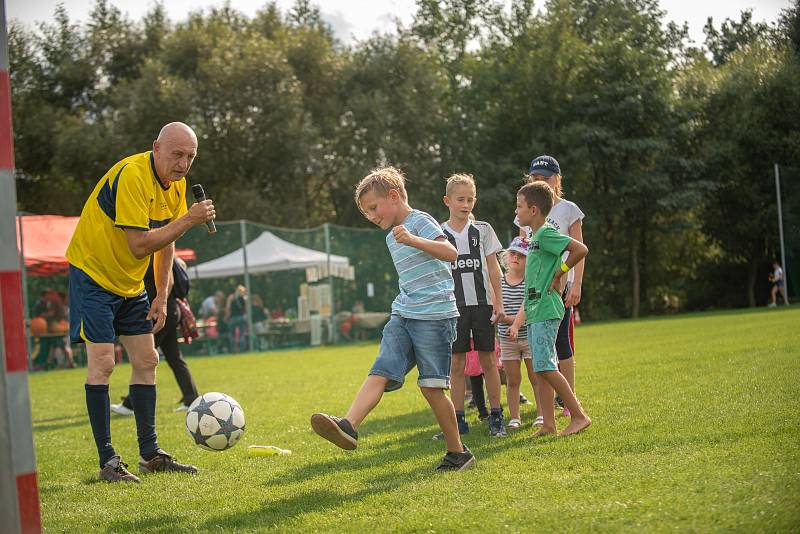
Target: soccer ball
<point>215,421</point>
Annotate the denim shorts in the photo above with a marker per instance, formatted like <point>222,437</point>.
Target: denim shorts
<point>542,339</point>
<point>99,316</point>
<point>413,342</point>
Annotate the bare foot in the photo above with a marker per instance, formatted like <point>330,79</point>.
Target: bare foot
<point>576,425</point>
<point>544,432</point>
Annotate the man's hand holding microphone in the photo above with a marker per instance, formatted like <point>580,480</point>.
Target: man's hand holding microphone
<point>202,211</point>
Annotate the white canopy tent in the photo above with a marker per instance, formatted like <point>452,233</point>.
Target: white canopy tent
<point>267,253</point>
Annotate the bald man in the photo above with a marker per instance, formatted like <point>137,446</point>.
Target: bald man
<point>136,210</point>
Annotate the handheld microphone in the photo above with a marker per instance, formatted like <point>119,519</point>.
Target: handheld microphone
<point>199,196</point>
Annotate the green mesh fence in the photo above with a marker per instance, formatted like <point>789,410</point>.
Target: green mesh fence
<point>358,305</point>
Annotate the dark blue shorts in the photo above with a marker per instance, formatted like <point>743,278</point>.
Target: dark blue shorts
<point>99,316</point>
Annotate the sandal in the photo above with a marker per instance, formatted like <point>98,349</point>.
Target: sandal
<point>514,424</point>
<point>539,421</point>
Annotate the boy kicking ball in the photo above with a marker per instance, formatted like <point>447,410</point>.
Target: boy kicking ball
<point>543,307</point>
<point>422,327</point>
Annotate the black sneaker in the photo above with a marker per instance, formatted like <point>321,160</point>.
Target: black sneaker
<point>558,402</point>
<point>457,461</point>
<point>115,470</point>
<point>337,430</point>
<point>497,428</point>
<point>523,399</point>
<point>463,428</point>
<point>164,462</point>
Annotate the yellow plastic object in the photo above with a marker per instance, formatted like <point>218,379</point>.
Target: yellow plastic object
<point>266,450</point>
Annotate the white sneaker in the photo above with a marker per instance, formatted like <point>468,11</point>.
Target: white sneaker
<point>182,408</point>
<point>121,409</point>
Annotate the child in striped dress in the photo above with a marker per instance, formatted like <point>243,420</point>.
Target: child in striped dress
<point>513,352</point>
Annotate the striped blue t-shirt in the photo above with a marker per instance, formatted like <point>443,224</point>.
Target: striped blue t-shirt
<point>426,285</point>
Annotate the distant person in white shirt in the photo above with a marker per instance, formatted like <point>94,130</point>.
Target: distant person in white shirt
<point>778,284</point>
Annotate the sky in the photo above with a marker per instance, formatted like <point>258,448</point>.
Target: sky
<point>358,19</point>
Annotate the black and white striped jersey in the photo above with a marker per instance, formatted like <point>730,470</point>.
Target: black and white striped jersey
<point>470,272</point>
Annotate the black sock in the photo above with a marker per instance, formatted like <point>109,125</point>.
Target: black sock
<point>497,411</point>
<point>460,415</point>
<point>143,398</point>
<point>99,408</point>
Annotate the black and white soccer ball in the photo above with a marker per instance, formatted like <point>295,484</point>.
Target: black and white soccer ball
<point>215,421</point>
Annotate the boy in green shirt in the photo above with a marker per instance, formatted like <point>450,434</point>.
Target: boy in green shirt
<point>543,307</point>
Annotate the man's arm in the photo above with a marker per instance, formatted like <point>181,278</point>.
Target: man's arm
<point>145,242</point>
<point>162,272</point>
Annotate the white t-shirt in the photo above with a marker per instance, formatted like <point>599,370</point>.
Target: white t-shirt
<point>561,216</point>
<point>470,273</point>
<point>777,274</point>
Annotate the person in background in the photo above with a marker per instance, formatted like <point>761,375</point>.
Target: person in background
<point>778,285</point>
<point>166,339</point>
<point>236,318</point>
<point>211,305</point>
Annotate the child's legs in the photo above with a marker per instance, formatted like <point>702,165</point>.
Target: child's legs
<point>492,376</point>
<point>513,381</point>
<point>542,342</point>
<point>557,382</point>
<point>566,362</point>
<point>366,399</point>
<point>457,383</point>
<point>774,292</point>
<point>545,409</point>
<point>445,416</point>
<point>477,394</point>
<point>567,368</point>
<point>535,385</point>
<point>394,361</point>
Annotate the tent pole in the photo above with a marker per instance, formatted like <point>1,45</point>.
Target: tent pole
<point>248,307</point>
<point>331,323</point>
<point>27,309</point>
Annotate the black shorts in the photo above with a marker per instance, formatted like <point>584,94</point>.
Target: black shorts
<point>474,322</point>
<point>564,348</point>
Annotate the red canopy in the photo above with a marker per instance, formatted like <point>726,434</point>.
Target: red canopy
<point>45,239</point>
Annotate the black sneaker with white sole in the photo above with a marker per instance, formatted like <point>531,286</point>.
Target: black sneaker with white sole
<point>497,427</point>
<point>457,461</point>
<point>337,430</point>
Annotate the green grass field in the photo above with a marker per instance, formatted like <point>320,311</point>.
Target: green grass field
<point>696,428</point>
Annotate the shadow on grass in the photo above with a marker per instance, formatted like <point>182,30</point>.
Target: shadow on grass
<point>162,523</point>
<point>393,459</point>
<point>58,423</point>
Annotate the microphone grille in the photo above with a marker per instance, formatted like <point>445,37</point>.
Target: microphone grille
<point>197,191</point>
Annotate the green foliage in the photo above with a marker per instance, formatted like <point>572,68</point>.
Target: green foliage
<point>649,463</point>
<point>666,146</point>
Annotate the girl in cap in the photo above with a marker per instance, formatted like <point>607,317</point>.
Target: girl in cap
<point>567,218</point>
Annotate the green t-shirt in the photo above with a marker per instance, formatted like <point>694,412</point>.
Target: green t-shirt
<point>544,257</point>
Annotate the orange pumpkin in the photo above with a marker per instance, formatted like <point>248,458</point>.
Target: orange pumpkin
<point>38,326</point>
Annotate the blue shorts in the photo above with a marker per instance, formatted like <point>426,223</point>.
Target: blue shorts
<point>99,316</point>
<point>542,339</point>
<point>413,342</point>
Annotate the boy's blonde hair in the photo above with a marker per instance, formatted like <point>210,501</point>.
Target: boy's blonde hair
<point>459,179</point>
<point>381,180</point>
<point>540,178</point>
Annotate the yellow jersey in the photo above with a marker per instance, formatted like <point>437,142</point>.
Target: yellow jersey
<point>130,195</point>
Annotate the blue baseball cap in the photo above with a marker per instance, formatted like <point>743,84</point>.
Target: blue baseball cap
<point>545,165</point>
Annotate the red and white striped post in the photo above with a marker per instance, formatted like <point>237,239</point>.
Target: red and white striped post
<point>19,492</point>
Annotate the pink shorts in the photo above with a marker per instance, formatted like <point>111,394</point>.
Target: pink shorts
<point>514,350</point>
